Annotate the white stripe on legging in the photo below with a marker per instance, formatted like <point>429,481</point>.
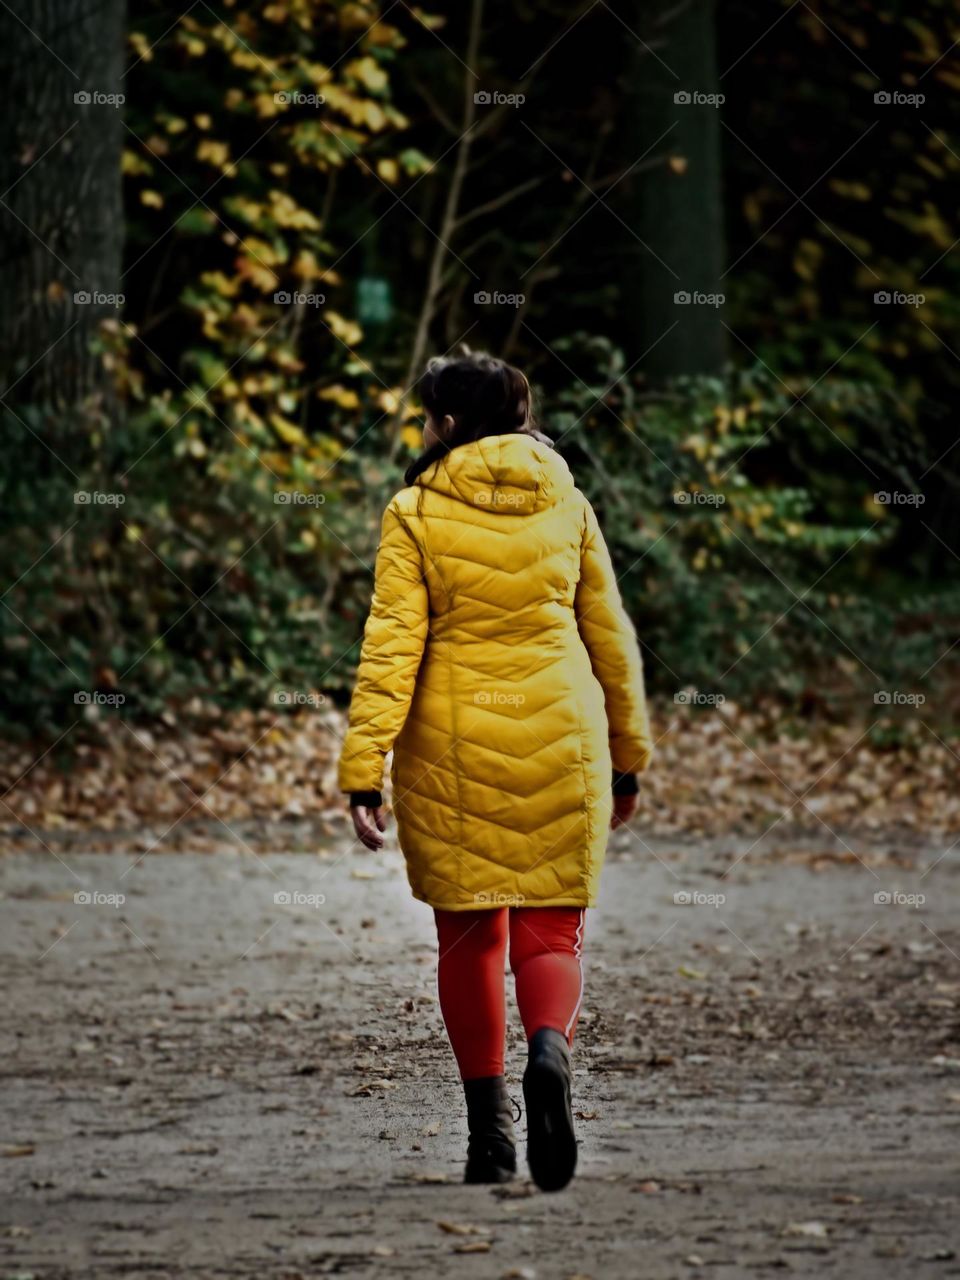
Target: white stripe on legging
<point>578,952</point>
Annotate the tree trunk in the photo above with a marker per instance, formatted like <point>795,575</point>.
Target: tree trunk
<point>678,210</point>
<point>60,206</point>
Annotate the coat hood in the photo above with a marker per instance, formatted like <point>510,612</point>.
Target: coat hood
<point>514,474</point>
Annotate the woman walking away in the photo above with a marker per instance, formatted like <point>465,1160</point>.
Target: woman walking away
<point>500,666</point>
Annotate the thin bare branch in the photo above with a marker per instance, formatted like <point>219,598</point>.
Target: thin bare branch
<point>448,222</point>
<point>435,107</point>
<point>499,201</point>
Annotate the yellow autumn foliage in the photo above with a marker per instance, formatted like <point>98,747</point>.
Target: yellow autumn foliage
<point>266,253</point>
<point>288,431</point>
<point>368,72</point>
<point>348,331</point>
<point>225,285</point>
<point>388,170</point>
<point>287,213</point>
<point>343,396</point>
<point>141,46</point>
<point>213,152</point>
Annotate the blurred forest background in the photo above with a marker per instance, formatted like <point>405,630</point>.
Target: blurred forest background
<point>233,235</point>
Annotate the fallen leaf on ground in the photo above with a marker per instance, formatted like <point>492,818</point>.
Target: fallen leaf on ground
<point>371,1087</point>
<point>706,782</point>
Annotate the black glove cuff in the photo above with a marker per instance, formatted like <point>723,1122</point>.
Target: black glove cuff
<point>625,784</point>
<point>368,799</point>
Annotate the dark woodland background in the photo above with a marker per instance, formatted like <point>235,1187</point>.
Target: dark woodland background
<point>196,463</point>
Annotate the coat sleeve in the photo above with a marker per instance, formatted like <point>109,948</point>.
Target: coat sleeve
<point>611,642</point>
<point>393,644</point>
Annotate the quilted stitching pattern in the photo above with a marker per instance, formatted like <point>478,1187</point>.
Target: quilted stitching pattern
<point>500,666</point>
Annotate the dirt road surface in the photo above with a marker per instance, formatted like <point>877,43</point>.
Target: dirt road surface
<point>204,1080</point>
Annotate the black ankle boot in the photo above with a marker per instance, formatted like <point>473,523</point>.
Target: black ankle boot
<point>551,1142</point>
<point>491,1148</point>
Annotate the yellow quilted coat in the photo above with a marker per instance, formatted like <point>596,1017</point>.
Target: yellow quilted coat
<point>500,666</point>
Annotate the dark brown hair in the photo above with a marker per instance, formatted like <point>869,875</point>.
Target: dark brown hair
<point>483,395</point>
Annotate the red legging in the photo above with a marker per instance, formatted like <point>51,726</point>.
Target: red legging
<point>545,947</point>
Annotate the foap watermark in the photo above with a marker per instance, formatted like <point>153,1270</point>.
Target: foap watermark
<point>484,298</point>
<point>897,98</point>
<point>897,298</point>
<point>95,698</point>
<point>899,498</point>
<point>297,498</point>
<point>694,298</point>
<point>494,98</point>
<point>697,698</point>
<point>95,98</point>
<point>498,698</point>
<point>694,98</point>
<point>94,498</point>
<point>698,498</point>
<point>295,98</point>
<point>898,698</point>
<point>484,498</point>
<point>96,298</point>
<point>499,899</point>
<point>297,898</point>
<point>894,898</point>
<point>94,898</point>
<point>297,698</point>
<point>284,299</point>
<point>694,898</point>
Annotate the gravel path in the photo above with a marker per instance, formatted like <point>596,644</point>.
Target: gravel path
<point>199,1081</point>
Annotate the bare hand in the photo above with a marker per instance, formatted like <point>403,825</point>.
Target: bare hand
<point>624,807</point>
<point>368,823</point>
